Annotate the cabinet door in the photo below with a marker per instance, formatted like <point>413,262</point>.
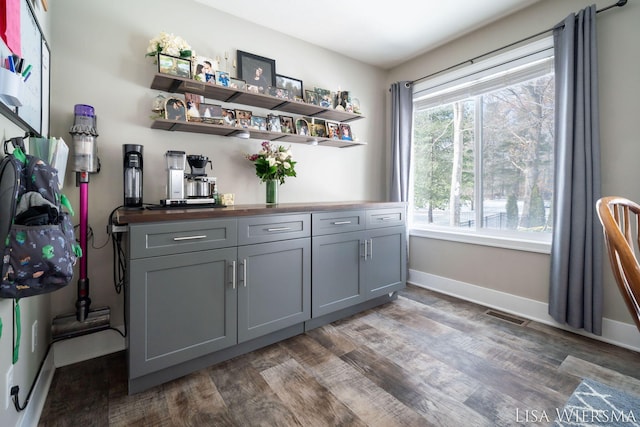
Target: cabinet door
<point>385,263</point>
<point>274,285</point>
<point>180,307</point>
<point>336,272</point>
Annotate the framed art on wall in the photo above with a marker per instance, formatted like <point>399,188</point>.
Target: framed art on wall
<point>256,70</point>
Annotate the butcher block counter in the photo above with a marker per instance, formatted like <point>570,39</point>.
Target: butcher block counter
<point>209,284</point>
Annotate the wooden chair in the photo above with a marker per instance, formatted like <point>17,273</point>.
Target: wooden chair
<point>620,221</point>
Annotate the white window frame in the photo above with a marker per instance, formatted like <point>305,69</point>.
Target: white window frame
<point>531,242</point>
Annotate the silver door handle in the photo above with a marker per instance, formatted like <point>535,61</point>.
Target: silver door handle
<point>365,250</point>
<point>279,229</point>
<point>177,239</point>
<point>233,274</point>
<point>370,248</point>
<point>244,272</point>
<point>385,218</point>
<point>341,222</point>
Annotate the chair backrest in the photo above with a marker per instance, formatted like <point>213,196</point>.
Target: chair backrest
<point>620,220</point>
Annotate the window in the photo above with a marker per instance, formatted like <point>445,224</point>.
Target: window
<point>483,147</point>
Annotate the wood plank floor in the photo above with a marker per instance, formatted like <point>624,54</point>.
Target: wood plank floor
<point>424,359</point>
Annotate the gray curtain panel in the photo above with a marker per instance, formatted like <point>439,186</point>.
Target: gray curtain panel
<point>401,132</point>
<point>575,295</point>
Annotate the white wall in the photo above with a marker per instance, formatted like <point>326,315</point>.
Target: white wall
<point>526,274</point>
<point>99,60</point>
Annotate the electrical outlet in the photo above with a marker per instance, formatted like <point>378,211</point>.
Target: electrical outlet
<point>8,385</point>
<point>34,336</point>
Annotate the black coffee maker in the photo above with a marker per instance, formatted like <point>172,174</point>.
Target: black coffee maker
<point>132,179</point>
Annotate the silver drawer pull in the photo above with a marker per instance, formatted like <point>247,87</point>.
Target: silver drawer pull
<point>341,222</point>
<point>386,218</point>
<point>279,229</point>
<point>177,239</point>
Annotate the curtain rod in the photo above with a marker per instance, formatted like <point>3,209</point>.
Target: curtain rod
<point>620,3</point>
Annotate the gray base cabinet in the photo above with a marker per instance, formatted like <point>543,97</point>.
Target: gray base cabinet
<point>350,267</point>
<point>203,290</point>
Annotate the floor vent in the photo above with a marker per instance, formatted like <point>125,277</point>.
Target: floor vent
<point>507,317</point>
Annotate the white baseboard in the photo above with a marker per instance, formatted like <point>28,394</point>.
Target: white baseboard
<point>613,332</point>
<point>87,347</point>
<point>32,412</point>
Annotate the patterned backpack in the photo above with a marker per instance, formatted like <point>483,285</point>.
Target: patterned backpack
<point>40,248</point>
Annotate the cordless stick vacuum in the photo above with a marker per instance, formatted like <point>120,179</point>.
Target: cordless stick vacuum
<point>85,162</point>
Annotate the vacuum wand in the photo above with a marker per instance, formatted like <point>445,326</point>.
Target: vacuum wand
<point>83,302</point>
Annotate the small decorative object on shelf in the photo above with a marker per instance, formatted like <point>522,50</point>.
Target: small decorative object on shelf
<point>169,44</point>
<point>273,164</point>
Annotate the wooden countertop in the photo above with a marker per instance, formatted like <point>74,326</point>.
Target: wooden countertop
<point>132,216</point>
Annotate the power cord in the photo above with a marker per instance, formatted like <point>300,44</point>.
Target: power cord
<point>15,390</point>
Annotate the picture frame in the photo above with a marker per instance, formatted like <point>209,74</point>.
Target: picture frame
<point>228,117</point>
<point>174,66</point>
<point>211,113</point>
<point>279,92</point>
<point>243,118</point>
<point>287,125</point>
<point>345,132</point>
<point>293,86</point>
<point>222,78</point>
<point>317,127</point>
<point>174,109</point>
<point>273,123</point>
<point>311,97</point>
<point>342,101</point>
<point>237,84</point>
<point>256,70</point>
<point>193,101</point>
<point>258,122</point>
<point>202,66</point>
<point>324,98</point>
<point>303,127</point>
<point>332,130</point>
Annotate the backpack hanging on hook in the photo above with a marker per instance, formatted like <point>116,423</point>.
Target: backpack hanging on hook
<point>37,239</point>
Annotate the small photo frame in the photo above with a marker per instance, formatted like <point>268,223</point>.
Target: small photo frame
<point>287,125</point>
<point>203,66</point>
<point>303,127</point>
<point>345,132</point>
<point>210,78</point>
<point>324,98</point>
<point>210,113</point>
<point>174,66</point>
<point>333,130</point>
<point>256,70</point>
<point>222,78</point>
<point>252,89</point>
<point>243,119</point>
<point>258,123</point>
<point>237,84</point>
<point>229,117</point>
<point>293,86</point>
<point>273,123</point>
<point>279,92</point>
<point>193,102</point>
<point>174,109</point>
<point>318,127</point>
<point>342,101</point>
<point>311,97</point>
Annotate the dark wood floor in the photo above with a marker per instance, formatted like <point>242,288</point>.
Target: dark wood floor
<point>424,359</point>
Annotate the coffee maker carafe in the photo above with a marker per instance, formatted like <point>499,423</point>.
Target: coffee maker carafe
<point>198,184</point>
<point>132,171</point>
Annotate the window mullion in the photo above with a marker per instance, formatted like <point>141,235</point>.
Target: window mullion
<point>477,163</point>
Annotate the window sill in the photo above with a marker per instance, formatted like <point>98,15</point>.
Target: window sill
<point>540,244</point>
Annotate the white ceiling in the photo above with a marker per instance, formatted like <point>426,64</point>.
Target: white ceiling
<point>383,34</point>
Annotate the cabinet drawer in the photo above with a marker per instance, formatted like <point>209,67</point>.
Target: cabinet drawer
<point>337,222</point>
<point>271,228</point>
<point>390,217</point>
<point>147,240</point>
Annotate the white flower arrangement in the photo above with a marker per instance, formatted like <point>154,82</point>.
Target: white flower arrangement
<point>169,44</point>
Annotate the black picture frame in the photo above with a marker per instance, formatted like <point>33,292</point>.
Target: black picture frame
<point>248,65</point>
<point>293,86</point>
